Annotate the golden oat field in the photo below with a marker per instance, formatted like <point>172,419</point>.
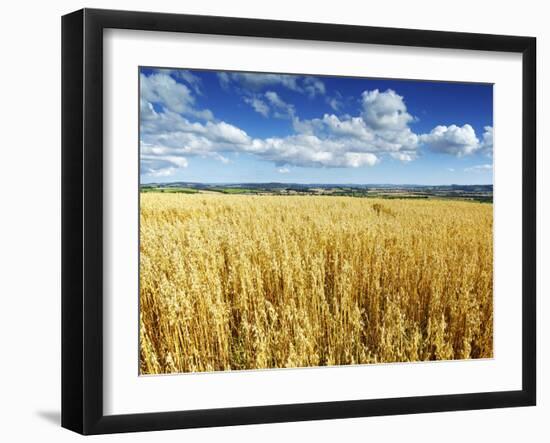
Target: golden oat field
<point>233,282</point>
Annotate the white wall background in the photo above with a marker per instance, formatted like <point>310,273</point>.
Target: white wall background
<point>30,219</point>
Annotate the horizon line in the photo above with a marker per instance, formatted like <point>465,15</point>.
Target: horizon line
<point>313,183</point>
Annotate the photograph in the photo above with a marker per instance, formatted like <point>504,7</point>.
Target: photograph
<point>294,220</point>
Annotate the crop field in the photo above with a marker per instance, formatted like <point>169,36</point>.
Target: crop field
<point>235,282</point>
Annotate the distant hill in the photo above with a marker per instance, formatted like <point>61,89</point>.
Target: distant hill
<point>278,185</point>
<point>481,193</point>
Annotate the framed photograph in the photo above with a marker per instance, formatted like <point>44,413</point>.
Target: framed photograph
<point>269,221</point>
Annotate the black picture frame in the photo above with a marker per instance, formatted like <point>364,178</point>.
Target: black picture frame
<point>82,218</point>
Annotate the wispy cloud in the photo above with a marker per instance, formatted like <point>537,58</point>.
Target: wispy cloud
<point>480,168</point>
<point>486,145</point>
<point>282,109</point>
<point>258,105</point>
<point>270,103</point>
<point>313,86</point>
<point>183,74</point>
<point>256,82</point>
<point>162,89</point>
<point>335,102</point>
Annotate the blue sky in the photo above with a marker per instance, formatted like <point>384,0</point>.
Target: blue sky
<point>228,127</point>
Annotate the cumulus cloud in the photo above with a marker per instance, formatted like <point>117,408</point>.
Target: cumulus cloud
<point>160,146</point>
<point>166,137</point>
<point>357,159</point>
<point>347,141</point>
<point>310,151</point>
<point>455,140</point>
<point>354,127</point>
<point>382,126</point>
<point>283,170</point>
<point>480,168</point>
<point>330,141</point>
<point>385,110</point>
<point>355,135</point>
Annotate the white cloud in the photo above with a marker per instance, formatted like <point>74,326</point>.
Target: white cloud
<point>162,89</point>
<point>173,130</point>
<point>160,172</point>
<point>451,169</point>
<point>275,100</point>
<point>385,110</point>
<point>345,141</point>
<point>224,79</point>
<point>270,101</point>
<point>311,151</point>
<point>455,140</point>
<point>147,111</point>
<point>400,142</point>
<point>160,166</point>
<point>487,141</point>
<point>221,158</point>
<point>352,127</point>
<point>334,103</point>
<point>307,126</point>
<point>183,74</point>
<point>480,168</point>
<point>313,86</point>
<point>330,141</point>
<point>225,133</point>
<point>404,156</point>
<point>357,159</point>
<point>258,104</point>
<point>169,137</point>
<point>256,82</point>
<point>194,81</point>
<point>282,109</point>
